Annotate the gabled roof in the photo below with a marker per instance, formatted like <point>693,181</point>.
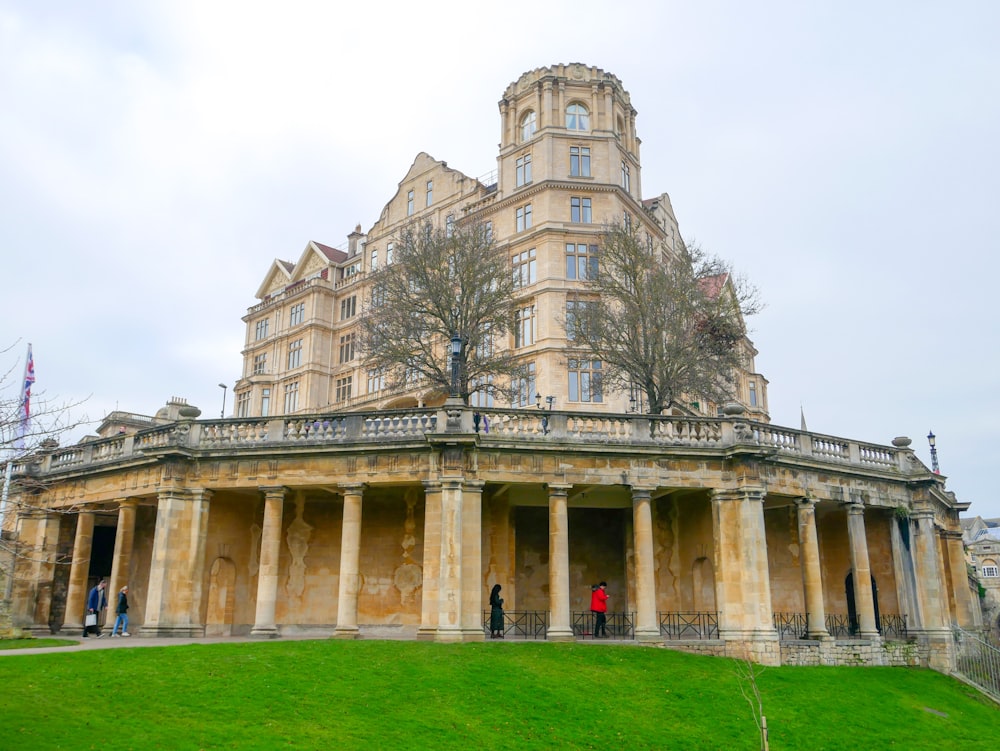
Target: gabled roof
<point>289,272</point>
<point>713,285</point>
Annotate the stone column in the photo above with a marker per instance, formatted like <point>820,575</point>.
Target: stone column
<point>122,560</point>
<point>76,592</point>
<point>962,610</point>
<point>647,626</point>
<point>270,552</point>
<point>449,626</point>
<point>864,600</point>
<point>931,589</point>
<point>812,575</point>
<point>901,538</point>
<point>560,628</point>
<point>177,566</point>
<point>40,529</point>
<point>429,596</point>
<point>472,561</point>
<point>350,564</point>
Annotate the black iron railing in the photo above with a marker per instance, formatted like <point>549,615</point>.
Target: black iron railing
<point>619,625</point>
<point>791,625</point>
<point>520,624</point>
<point>892,626</point>
<point>689,625</point>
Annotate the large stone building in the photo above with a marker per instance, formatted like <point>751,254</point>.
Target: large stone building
<point>327,505</point>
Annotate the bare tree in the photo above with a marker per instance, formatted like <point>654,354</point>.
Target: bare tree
<point>669,324</point>
<point>747,673</point>
<point>442,284</point>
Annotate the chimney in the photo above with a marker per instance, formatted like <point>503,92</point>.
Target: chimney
<point>352,241</point>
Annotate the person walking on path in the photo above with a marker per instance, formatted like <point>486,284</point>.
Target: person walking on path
<point>599,607</point>
<point>96,602</point>
<point>121,609</point>
<point>496,613</point>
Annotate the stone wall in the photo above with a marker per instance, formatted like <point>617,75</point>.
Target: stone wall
<point>855,652</point>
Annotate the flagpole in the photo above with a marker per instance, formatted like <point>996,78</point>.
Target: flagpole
<point>23,418</point>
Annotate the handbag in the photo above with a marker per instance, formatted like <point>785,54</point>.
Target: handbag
<point>90,620</point>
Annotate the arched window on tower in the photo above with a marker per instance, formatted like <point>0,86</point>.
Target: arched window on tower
<point>577,117</point>
<point>527,126</point>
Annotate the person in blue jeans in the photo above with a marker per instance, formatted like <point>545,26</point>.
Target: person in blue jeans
<point>122,612</point>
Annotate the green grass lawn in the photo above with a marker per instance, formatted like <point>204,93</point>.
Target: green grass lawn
<point>333,694</point>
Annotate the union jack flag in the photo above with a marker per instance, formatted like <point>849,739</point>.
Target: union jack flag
<point>24,417</point>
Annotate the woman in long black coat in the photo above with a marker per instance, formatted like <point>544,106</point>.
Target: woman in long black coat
<point>496,613</point>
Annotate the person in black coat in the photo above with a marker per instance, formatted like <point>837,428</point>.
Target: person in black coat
<point>496,613</point>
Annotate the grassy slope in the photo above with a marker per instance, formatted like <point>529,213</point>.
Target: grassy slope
<point>415,695</point>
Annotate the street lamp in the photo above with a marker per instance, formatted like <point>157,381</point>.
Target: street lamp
<point>932,440</point>
<point>456,350</point>
<point>222,414</point>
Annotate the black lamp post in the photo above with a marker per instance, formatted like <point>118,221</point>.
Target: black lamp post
<point>222,414</point>
<point>932,440</point>
<point>456,350</point>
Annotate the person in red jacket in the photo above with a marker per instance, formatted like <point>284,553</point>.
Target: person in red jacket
<point>599,607</point>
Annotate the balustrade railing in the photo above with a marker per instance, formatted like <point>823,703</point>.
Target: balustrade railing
<point>689,625</point>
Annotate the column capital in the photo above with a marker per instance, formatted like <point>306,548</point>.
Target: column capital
<point>640,491</point>
<point>855,508</point>
<point>806,502</point>
<point>558,488</point>
<point>353,487</point>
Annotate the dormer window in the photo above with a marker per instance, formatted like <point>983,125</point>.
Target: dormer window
<point>527,126</point>
<point>577,117</point>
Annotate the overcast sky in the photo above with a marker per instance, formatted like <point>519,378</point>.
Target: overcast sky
<point>156,157</point>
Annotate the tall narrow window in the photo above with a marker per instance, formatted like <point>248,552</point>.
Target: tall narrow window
<point>373,265</point>
<point>344,386</point>
<point>626,177</point>
<point>585,381</point>
<point>581,261</point>
<point>376,380</point>
<point>389,247</point>
<point>524,326</point>
<point>260,364</point>
<point>488,228</point>
<point>261,332</point>
<point>348,307</point>
<point>347,345</point>
<point>291,397</point>
<point>297,314</point>
<point>579,210</point>
<point>753,393</point>
<point>265,402</point>
<point>409,203</point>
<point>579,161</point>
<point>576,311</point>
<point>449,225</point>
<point>523,217</point>
<point>243,404</point>
<point>577,117</point>
<point>482,392</point>
<point>522,172</point>
<point>294,354</point>
<point>430,192</point>
<point>527,126</point>
<point>524,388</point>
<point>524,268</point>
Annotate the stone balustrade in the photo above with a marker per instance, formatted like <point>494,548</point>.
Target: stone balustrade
<point>489,425</point>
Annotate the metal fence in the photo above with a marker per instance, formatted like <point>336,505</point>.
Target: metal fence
<point>690,625</point>
<point>520,624</point>
<point>978,662</point>
<point>619,625</point>
<point>791,625</point>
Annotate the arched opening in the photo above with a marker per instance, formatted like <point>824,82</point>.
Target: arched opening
<point>852,608</point>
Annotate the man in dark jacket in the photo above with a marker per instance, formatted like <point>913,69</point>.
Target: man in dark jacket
<point>96,602</point>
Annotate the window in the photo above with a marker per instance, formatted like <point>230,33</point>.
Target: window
<point>265,402</point>
<point>373,264</point>
<point>579,210</point>
<point>484,350</point>
<point>527,126</point>
<point>626,177</point>
<point>297,314</point>
<point>376,380</point>
<point>449,225</point>
<point>990,571</point>
<point>343,388</point>
<point>354,268</point>
<point>524,217</point>
<point>576,311</point>
<point>524,388</point>
<point>489,232</point>
<point>524,268</point>
<point>581,261</point>
<point>579,161</point>
<point>482,392</point>
<point>753,393</point>
<point>262,328</point>
<point>291,397</point>
<point>523,170</point>
<point>577,117</point>
<point>378,295</point>
<point>409,203</point>
<point>243,404</point>
<point>585,381</point>
<point>430,192</point>
<point>347,348</point>
<point>260,364</point>
<point>388,253</point>
<point>348,307</point>
<point>295,354</point>
<point>627,221</point>
<point>411,377</point>
<point>524,326</point>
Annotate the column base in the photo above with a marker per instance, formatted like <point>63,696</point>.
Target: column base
<point>347,632</point>
<point>170,632</point>
<point>265,632</point>
<point>648,635</point>
<point>560,635</point>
